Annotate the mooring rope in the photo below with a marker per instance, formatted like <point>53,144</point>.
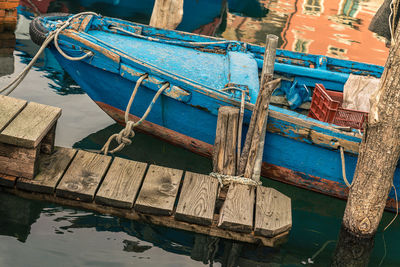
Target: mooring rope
<point>224,179</point>
<point>123,138</point>
<point>344,167</point>
<point>350,185</point>
<point>53,35</point>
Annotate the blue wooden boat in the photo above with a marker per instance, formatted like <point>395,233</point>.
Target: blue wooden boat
<point>298,150</point>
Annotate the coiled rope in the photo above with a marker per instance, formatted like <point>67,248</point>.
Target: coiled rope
<point>123,138</point>
<point>53,35</point>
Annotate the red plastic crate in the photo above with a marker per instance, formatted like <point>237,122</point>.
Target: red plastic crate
<point>326,106</point>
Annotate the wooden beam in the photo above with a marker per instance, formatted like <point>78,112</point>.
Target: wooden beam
<point>167,221</point>
<point>167,14</point>
<point>121,184</point>
<point>224,154</point>
<point>18,161</point>
<point>197,199</point>
<point>47,145</point>
<point>51,168</point>
<point>159,190</point>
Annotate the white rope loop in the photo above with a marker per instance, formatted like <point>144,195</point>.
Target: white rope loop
<point>123,138</point>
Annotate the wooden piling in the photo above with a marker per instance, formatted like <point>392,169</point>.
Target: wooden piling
<point>224,155</point>
<point>167,14</point>
<point>251,157</point>
<point>378,154</point>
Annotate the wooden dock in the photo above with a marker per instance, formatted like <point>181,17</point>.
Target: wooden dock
<point>130,189</point>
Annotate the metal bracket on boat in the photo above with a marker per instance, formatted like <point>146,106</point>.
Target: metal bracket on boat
<point>237,89</point>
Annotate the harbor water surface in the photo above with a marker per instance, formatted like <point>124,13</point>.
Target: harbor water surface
<point>34,233</point>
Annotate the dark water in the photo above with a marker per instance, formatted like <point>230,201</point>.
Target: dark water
<point>36,233</point>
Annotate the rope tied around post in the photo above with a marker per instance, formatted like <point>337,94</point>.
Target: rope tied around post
<point>224,179</point>
<point>123,138</point>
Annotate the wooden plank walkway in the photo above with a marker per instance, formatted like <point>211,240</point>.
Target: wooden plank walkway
<point>31,167</point>
<point>92,181</point>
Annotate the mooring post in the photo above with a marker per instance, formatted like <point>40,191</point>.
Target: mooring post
<point>167,14</point>
<point>224,155</point>
<point>378,154</point>
<point>251,157</point>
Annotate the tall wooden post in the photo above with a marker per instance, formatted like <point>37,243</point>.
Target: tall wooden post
<point>167,14</point>
<point>251,157</point>
<point>379,153</point>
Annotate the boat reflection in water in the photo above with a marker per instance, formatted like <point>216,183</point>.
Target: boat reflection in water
<point>203,17</point>
<point>7,45</point>
<point>337,29</point>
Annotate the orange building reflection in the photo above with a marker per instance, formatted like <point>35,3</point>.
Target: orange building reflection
<point>336,28</point>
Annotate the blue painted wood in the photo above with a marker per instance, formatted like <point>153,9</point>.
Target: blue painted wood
<point>199,73</point>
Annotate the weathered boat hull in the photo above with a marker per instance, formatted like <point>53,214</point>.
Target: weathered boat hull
<point>298,150</point>
<point>278,173</point>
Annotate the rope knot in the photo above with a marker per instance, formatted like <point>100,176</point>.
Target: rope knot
<point>123,138</point>
<point>224,179</point>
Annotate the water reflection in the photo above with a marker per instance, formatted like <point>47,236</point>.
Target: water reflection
<point>17,215</point>
<point>7,45</point>
<point>351,250</point>
<point>335,28</point>
<point>148,149</point>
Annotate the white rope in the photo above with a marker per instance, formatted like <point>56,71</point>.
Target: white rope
<point>397,208</point>
<point>224,179</point>
<point>53,35</point>
<point>123,138</point>
<point>344,168</point>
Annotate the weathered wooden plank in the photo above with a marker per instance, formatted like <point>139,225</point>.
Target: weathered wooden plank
<point>50,170</point>
<point>18,161</point>
<point>197,199</point>
<point>30,126</point>
<point>121,184</point>
<point>47,145</point>
<point>7,180</point>
<point>83,176</point>
<point>237,211</point>
<point>224,154</point>
<point>273,212</point>
<point>9,108</point>
<point>167,221</point>
<point>159,190</point>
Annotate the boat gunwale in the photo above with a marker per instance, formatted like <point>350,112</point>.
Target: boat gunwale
<point>292,117</point>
